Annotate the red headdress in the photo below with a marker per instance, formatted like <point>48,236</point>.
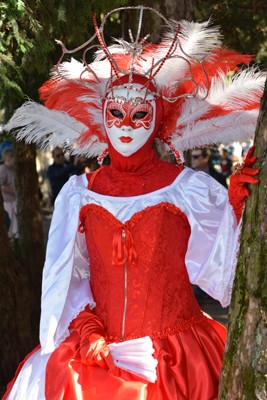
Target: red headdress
<point>189,70</point>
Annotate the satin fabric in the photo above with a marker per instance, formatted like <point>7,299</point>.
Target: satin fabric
<point>65,285</point>
<point>157,278</point>
<point>188,369</point>
<point>29,380</point>
<point>67,386</point>
<point>78,381</point>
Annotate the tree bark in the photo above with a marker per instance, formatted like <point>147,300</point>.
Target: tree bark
<point>31,241</point>
<point>15,336</point>
<point>245,363</point>
<point>152,24</point>
<point>21,268</point>
<point>181,9</point>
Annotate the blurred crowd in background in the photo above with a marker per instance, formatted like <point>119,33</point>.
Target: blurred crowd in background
<point>54,168</point>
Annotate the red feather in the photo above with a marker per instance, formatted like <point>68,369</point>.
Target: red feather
<point>63,95</point>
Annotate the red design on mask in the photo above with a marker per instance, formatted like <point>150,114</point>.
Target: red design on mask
<point>127,114</point>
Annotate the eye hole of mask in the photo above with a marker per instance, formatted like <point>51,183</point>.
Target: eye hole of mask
<point>116,113</point>
<point>140,115</point>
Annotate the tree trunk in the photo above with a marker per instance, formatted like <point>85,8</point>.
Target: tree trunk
<point>31,241</point>
<point>245,363</point>
<point>21,268</point>
<point>15,333</point>
<point>171,9</point>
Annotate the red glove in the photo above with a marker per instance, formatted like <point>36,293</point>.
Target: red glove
<point>238,190</point>
<point>93,348</point>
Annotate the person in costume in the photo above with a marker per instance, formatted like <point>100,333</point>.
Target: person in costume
<point>119,318</point>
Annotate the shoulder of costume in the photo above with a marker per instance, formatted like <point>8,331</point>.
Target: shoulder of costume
<point>75,184</point>
<point>194,185</point>
<point>70,195</point>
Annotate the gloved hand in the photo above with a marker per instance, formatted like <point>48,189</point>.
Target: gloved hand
<point>242,175</point>
<point>93,348</point>
<point>95,351</point>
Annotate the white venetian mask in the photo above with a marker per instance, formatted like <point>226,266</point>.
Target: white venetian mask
<point>129,119</point>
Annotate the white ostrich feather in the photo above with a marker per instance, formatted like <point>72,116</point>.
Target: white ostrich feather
<point>244,88</point>
<point>117,48</point>
<point>102,69</point>
<point>69,70</point>
<point>92,148</point>
<point>197,39</point>
<point>197,42</point>
<point>175,70</point>
<point>76,71</point>
<point>238,125</point>
<point>141,65</point>
<point>192,109</point>
<point>231,94</point>
<point>48,128</point>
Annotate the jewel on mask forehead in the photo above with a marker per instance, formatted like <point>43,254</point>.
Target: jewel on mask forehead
<point>132,100</point>
<point>136,100</point>
<point>119,99</point>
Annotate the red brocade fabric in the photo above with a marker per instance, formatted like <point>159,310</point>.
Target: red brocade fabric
<point>156,275</point>
<point>112,182</point>
<point>160,303</point>
<point>138,174</point>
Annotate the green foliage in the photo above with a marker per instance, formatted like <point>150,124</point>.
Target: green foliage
<point>243,24</point>
<point>12,42</point>
<point>18,33</point>
<point>7,64</point>
<point>28,29</point>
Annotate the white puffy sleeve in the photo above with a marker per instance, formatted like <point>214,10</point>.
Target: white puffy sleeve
<point>214,241</point>
<point>65,286</point>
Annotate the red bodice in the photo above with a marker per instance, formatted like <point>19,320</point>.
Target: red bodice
<point>140,262</point>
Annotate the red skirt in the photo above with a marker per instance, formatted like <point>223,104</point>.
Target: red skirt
<point>189,364</point>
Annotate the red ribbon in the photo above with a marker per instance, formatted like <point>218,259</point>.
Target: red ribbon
<point>123,247</point>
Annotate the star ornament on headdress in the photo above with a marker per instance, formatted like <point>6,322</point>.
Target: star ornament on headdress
<point>188,70</point>
<point>133,48</point>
